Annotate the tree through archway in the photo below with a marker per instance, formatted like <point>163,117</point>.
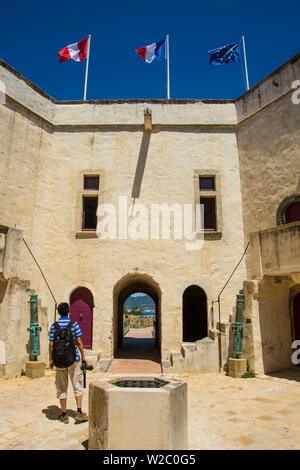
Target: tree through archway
<point>124,289</point>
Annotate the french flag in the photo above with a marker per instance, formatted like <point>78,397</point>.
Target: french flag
<point>157,50</point>
<point>76,51</point>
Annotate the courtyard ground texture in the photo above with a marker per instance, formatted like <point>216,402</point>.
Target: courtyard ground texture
<point>223,412</point>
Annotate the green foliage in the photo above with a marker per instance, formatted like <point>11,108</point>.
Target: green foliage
<point>250,374</point>
<point>136,311</point>
<point>23,372</point>
<point>125,311</point>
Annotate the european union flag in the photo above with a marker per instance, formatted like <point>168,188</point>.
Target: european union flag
<point>225,54</point>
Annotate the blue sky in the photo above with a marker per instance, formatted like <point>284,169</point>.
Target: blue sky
<point>33,32</point>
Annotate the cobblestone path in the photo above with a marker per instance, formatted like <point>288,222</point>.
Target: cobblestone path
<point>224,413</point>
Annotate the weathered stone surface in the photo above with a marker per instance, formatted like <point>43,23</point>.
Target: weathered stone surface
<point>35,369</point>
<point>141,321</point>
<point>118,417</point>
<point>237,367</point>
<point>251,146</point>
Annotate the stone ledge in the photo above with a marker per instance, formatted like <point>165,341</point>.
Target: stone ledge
<point>209,235</point>
<point>83,235</point>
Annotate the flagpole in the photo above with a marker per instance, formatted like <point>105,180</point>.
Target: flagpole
<point>168,67</point>
<point>245,63</point>
<point>87,66</point>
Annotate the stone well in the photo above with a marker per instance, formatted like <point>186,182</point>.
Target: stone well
<point>138,413</point>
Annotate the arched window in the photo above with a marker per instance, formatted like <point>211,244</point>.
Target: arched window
<point>194,314</point>
<point>81,311</point>
<point>292,212</point>
<point>289,210</point>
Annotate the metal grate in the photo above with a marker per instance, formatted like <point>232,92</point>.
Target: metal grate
<point>140,383</point>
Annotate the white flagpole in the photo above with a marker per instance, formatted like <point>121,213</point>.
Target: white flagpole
<point>245,62</point>
<point>168,67</point>
<point>87,66</point>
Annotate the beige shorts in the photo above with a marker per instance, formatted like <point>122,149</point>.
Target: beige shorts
<point>76,377</point>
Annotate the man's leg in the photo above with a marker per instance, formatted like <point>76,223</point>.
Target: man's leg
<point>63,404</point>
<point>78,399</point>
<point>61,383</point>
<point>77,382</point>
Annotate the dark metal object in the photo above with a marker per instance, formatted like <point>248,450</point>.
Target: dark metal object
<point>238,327</point>
<point>84,368</point>
<point>34,327</point>
<point>140,383</point>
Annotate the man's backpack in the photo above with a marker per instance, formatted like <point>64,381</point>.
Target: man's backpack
<point>64,351</point>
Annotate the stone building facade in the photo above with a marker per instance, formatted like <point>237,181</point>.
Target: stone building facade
<point>139,162</point>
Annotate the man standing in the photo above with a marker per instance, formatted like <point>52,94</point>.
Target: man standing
<point>74,371</point>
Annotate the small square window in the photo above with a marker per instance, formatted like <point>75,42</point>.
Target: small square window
<point>91,182</point>
<point>89,213</point>
<point>207,183</point>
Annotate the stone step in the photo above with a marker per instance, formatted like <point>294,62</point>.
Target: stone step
<point>177,362</point>
<point>213,333</point>
<point>187,347</point>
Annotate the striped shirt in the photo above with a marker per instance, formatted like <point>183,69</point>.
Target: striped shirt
<point>63,322</point>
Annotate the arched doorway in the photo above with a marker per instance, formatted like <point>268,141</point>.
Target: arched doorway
<point>81,311</point>
<point>132,284</point>
<point>194,314</point>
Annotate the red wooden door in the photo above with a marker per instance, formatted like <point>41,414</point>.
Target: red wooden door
<point>81,311</point>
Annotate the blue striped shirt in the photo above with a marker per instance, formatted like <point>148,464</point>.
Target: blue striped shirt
<point>63,322</point>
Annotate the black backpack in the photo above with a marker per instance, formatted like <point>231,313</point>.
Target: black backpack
<point>64,351</point>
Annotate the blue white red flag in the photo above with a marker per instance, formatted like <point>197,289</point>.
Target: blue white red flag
<point>157,50</point>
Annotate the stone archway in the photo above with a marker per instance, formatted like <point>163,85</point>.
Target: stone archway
<point>130,284</point>
<point>194,314</point>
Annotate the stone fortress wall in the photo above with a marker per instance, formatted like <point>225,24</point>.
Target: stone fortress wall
<point>47,147</point>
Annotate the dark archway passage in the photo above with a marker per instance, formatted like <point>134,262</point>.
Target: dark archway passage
<point>194,314</point>
<point>139,348</point>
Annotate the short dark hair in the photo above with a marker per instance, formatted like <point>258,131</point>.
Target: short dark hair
<point>63,309</point>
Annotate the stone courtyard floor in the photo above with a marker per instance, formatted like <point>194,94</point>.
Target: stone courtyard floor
<point>224,413</point>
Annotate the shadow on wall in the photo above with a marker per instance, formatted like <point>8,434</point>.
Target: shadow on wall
<point>275,325</point>
<point>3,288</point>
<point>139,172</point>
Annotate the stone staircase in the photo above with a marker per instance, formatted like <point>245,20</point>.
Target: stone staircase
<point>201,356</point>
